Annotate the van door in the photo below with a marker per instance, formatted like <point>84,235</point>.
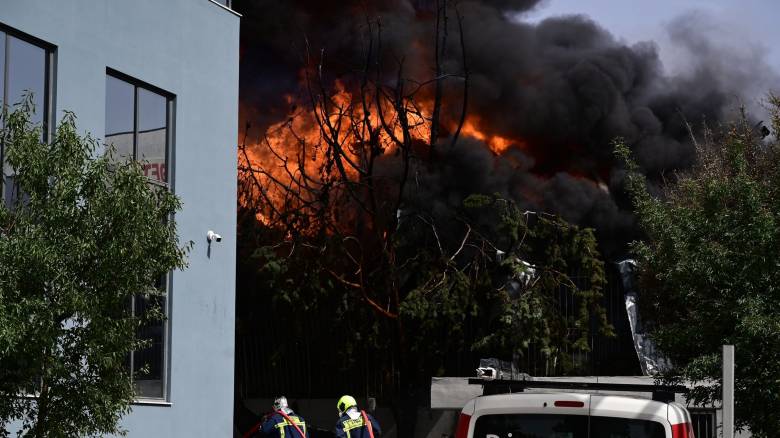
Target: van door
<point>614,427</point>
<point>526,415</point>
<point>531,425</point>
<point>622,417</point>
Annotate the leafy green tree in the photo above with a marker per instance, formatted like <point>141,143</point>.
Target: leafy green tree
<point>544,258</point>
<point>85,234</point>
<point>709,268</point>
<point>494,291</point>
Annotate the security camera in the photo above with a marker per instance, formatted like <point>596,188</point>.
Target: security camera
<point>212,237</point>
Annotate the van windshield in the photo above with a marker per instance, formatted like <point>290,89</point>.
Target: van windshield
<point>564,426</point>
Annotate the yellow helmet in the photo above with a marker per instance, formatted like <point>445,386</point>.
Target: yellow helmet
<point>345,403</point>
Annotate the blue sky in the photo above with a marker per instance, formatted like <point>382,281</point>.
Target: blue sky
<point>731,23</point>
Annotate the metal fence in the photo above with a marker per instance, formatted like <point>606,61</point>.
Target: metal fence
<point>608,355</point>
<point>704,423</point>
<point>272,358</point>
<point>270,361</point>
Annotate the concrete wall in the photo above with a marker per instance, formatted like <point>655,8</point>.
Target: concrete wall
<point>188,48</point>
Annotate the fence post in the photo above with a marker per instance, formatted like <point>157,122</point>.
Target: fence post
<point>728,391</point>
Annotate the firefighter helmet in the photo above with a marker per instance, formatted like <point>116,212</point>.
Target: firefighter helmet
<point>345,403</point>
<point>280,403</point>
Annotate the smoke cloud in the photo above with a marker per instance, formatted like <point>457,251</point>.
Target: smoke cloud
<point>563,88</point>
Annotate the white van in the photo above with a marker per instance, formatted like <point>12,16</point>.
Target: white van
<point>571,415</point>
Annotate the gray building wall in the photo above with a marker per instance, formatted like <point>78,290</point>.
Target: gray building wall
<point>188,48</point>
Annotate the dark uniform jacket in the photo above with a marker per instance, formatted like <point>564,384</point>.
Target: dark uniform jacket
<point>278,427</point>
<point>347,427</point>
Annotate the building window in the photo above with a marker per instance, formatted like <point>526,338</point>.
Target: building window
<point>226,3</point>
<point>139,127</point>
<point>25,68</point>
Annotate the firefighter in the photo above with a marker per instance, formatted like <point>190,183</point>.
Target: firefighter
<point>284,423</point>
<point>354,423</point>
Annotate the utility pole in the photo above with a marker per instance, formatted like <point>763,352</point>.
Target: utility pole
<point>728,391</point>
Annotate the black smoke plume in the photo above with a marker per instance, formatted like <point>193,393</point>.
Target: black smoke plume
<point>565,86</point>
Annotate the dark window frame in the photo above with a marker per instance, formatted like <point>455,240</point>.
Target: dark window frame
<point>169,118</point>
<point>226,3</point>
<point>48,120</point>
<point>168,184</point>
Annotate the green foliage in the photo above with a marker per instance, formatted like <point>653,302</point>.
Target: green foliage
<point>86,235</point>
<point>459,295</point>
<point>438,308</point>
<point>544,259</point>
<point>709,269</point>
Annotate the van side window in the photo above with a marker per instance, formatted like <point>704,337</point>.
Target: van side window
<point>533,426</point>
<point>611,427</point>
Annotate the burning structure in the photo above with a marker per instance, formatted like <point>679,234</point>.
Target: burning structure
<point>544,100</point>
<point>393,148</point>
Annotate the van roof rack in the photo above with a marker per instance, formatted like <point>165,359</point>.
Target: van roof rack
<point>662,393</point>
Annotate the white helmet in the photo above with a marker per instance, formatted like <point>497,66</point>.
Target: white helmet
<point>281,403</point>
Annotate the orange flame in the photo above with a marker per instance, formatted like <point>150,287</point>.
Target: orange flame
<point>497,143</point>
<point>293,161</point>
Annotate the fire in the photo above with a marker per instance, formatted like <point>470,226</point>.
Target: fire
<point>497,143</point>
<point>320,145</point>
<point>303,161</point>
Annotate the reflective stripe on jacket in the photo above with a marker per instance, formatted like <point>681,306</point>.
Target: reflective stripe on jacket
<point>348,427</point>
<point>278,426</point>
